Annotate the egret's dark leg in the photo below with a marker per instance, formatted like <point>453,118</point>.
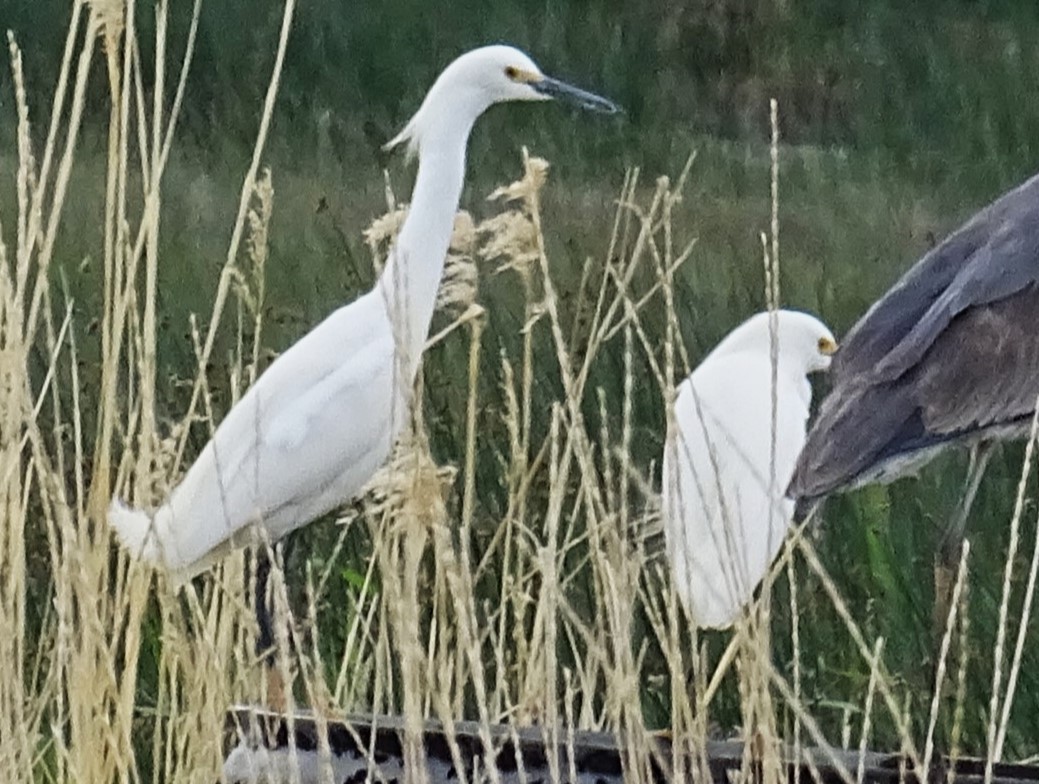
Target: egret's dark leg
<point>951,548</point>
<point>261,579</point>
<point>266,643</point>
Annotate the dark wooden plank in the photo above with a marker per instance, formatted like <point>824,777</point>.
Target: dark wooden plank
<point>362,742</point>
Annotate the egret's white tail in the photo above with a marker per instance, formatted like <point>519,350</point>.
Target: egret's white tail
<point>135,531</point>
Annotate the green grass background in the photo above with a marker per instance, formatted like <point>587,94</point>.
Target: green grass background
<point>898,121</point>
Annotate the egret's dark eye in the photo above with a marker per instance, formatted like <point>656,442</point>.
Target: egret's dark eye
<point>827,346</point>
<point>511,72</point>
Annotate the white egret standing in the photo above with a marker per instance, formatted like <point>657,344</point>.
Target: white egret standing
<point>725,508</point>
<point>315,427</point>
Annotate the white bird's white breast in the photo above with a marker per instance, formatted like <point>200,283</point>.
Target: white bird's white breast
<point>725,512</point>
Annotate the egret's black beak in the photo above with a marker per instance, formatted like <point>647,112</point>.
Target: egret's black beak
<point>554,88</point>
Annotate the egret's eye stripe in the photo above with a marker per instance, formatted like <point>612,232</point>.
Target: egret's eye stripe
<point>827,346</point>
<point>519,75</point>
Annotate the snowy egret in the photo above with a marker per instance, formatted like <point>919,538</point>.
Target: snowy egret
<point>724,477</point>
<point>315,427</point>
<point>949,356</point>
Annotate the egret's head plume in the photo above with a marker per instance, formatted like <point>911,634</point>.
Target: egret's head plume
<point>477,80</point>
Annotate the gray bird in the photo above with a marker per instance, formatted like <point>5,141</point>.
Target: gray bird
<point>948,357</point>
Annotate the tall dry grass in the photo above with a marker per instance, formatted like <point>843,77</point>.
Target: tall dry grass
<point>534,624</point>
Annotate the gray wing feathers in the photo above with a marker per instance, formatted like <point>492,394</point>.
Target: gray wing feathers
<point>992,256</point>
<point>981,372</point>
<point>984,371</point>
<point>855,427</point>
<point>950,350</point>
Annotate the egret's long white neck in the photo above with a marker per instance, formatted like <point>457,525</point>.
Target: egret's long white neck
<point>411,277</point>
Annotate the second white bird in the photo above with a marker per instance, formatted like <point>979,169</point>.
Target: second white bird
<point>724,504</point>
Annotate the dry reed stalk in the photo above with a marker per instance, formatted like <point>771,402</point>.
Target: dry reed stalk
<point>964,651</point>
<point>1015,668</point>
<point>867,710</point>
<point>996,735</point>
<point>939,678</point>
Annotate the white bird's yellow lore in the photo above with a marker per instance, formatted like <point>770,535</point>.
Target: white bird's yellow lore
<point>724,504</point>
<point>311,432</point>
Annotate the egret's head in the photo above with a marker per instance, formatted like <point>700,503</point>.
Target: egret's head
<point>803,341</point>
<point>507,74</point>
<point>477,80</point>
<point>819,344</point>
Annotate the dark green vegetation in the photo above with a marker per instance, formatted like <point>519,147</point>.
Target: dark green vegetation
<point>898,121</point>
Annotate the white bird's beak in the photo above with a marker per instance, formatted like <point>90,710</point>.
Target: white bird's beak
<point>553,88</point>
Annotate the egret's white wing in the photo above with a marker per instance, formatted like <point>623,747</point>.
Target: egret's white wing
<point>339,427</point>
<point>304,438</point>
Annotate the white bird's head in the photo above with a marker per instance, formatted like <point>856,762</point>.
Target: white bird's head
<point>803,341</point>
<point>477,80</point>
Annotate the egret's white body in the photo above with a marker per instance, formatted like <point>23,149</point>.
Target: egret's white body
<point>315,427</point>
<point>724,504</point>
